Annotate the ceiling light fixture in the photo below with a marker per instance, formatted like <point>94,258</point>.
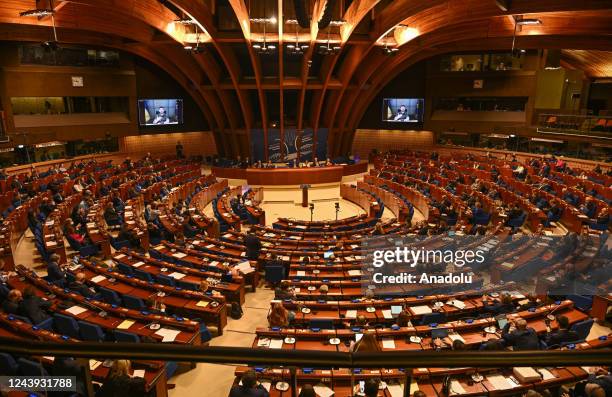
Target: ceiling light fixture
<point>296,48</point>
<point>529,22</point>
<point>185,21</point>
<point>328,48</point>
<point>39,12</point>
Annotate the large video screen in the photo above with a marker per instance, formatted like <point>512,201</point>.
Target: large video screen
<point>160,112</point>
<point>403,110</point>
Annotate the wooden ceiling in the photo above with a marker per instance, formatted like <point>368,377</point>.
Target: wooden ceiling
<point>239,89</point>
<point>595,64</point>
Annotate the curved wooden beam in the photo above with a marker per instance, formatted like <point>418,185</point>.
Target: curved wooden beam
<point>438,16</point>
<point>200,12</point>
<point>242,14</point>
<point>21,32</point>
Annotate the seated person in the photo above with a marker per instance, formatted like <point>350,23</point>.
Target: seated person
<point>498,306</point>
<point>111,216</point>
<point>249,387</point>
<point>120,383</point>
<point>12,301</point>
<point>284,291</point>
<point>371,386</point>
<point>33,307</point>
<point>517,335</point>
<point>307,391</point>
<point>563,335</point>
<point>55,274</point>
<point>125,234</point>
<point>279,316</point>
<point>79,286</point>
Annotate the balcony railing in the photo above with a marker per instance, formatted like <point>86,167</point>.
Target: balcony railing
<point>569,124</point>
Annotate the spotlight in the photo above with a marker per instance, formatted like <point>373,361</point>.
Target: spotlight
<point>185,21</point>
<point>50,45</point>
<point>528,22</point>
<point>39,12</point>
<point>188,47</point>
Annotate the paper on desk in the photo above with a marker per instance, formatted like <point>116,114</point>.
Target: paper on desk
<point>76,310</point>
<point>323,391</point>
<point>138,373</point>
<point>266,384</point>
<point>417,310</point>
<point>214,263</point>
<point>176,275</point>
<point>397,390</point>
<point>458,304</point>
<point>263,342</point>
<point>168,335</point>
<point>98,279</point>
<point>202,303</point>
<point>301,273</point>
<point>276,344</point>
<point>351,314</point>
<point>499,382</point>
<point>138,264</point>
<point>120,256</point>
<point>125,324</point>
<point>244,267</point>
<point>387,314</point>
<point>210,245</point>
<point>454,337</point>
<point>508,265</point>
<point>456,388</point>
<point>546,374</point>
<point>354,272</point>
<point>179,255</point>
<point>93,364</point>
<point>388,343</point>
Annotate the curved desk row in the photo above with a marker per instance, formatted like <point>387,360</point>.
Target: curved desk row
<point>291,176</point>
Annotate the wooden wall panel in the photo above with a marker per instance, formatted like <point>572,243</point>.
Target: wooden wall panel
<point>383,140</point>
<point>194,143</point>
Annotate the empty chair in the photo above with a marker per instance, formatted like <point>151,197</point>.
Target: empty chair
<point>187,285</point>
<point>433,318</point>
<point>122,336</point>
<point>581,302</point>
<point>132,302</point>
<point>31,368</point>
<point>583,328</point>
<point>66,325</point>
<point>125,269</point>
<point>117,245</point>
<point>88,250</point>
<point>165,280</point>
<point>110,296</point>
<point>8,365</point>
<point>142,275</point>
<point>322,323</point>
<point>275,274</point>
<point>91,332</point>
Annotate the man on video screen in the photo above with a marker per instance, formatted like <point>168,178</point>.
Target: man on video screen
<point>402,114</point>
<point>161,117</point>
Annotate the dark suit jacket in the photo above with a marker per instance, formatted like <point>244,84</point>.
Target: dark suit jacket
<point>81,289</point>
<point>10,307</point>
<point>253,246</point>
<point>521,340</point>
<point>561,336</point>
<point>54,273</point>
<point>123,386</point>
<point>239,391</point>
<point>34,308</point>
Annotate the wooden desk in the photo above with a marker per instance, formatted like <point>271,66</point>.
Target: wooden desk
<point>291,176</point>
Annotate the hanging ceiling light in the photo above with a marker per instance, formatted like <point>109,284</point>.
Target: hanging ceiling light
<point>389,50</point>
<point>264,48</point>
<point>295,48</point>
<point>328,48</point>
